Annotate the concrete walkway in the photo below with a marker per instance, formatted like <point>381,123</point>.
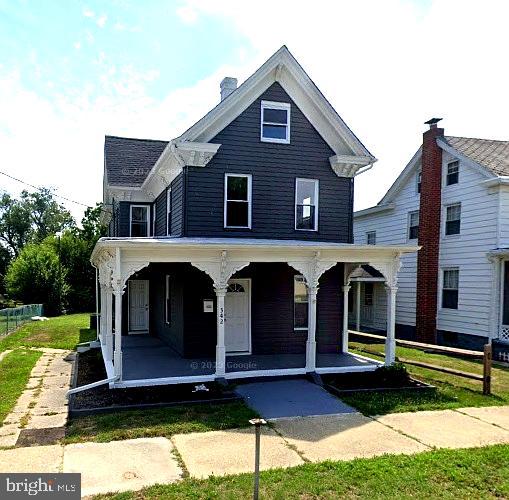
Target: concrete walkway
<point>134,464</point>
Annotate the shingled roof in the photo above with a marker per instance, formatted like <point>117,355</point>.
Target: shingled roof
<point>129,161</point>
<point>493,155</point>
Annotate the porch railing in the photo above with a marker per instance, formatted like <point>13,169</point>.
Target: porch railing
<point>13,317</point>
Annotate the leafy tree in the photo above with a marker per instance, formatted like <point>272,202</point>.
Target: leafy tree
<point>5,258</point>
<point>37,277</point>
<point>15,224</point>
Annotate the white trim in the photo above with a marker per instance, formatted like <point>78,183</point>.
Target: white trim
<point>142,382</point>
<point>374,210</point>
<point>167,296</point>
<point>316,205</point>
<point>153,213</point>
<point>301,328</point>
<point>418,181</point>
<point>408,224</point>
<point>445,173</point>
<point>168,210</point>
<point>347,369</point>
<point>275,105</point>
<point>147,218</point>
<point>265,373</point>
<point>249,199</point>
<point>143,331</point>
<point>249,350</point>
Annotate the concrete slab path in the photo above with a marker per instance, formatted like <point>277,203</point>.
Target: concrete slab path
<point>496,415</point>
<point>291,398</point>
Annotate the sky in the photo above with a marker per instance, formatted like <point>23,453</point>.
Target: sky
<point>73,71</point>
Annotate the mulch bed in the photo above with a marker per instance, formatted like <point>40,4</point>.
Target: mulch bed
<point>90,368</point>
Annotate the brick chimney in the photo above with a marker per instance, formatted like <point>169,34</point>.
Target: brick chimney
<point>429,234</point>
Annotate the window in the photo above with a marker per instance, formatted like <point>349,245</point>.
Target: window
<point>371,238</point>
<point>167,300</point>
<point>154,219</point>
<point>418,181</point>
<point>368,294</point>
<point>139,220</point>
<point>237,202</point>
<point>275,122</point>
<point>413,225</point>
<point>300,301</point>
<point>450,288</point>
<point>168,211</point>
<point>453,219</point>
<point>306,204</point>
<point>453,170</point>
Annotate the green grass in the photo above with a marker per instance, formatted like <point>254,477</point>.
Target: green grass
<point>158,422</point>
<point>15,370</point>
<point>61,332</point>
<point>449,474</point>
<point>452,391</point>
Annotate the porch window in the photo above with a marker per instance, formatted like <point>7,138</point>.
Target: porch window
<point>450,288</point>
<point>371,238</point>
<point>418,181</point>
<point>275,122</point>
<point>168,211</point>
<point>306,204</point>
<point>452,176</point>
<point>300,303</point>
<point>453,219</point>
<point>139,220</point>
<point>167,300</point>
<point>413,225</point>
<point>237,201</point>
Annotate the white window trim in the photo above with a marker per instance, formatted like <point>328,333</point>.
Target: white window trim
<point>441,289</point>
<point>300,328</point>
<point>153,209</point>
<point>249,200</point>
<point>367,237</point>
<point>168,210</point>
<point>147,221</point>
<point>275,105</point>
<point>317,190</point>
<point>167,296</point>
<point>417,181</point>
<point>446,171</point>
<point>444,218</point>
<point>408,225</point>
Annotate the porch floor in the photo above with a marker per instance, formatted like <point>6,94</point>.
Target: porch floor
<point>146,357</point>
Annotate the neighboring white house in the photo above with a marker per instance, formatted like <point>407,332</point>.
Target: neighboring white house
<point>472,289</point>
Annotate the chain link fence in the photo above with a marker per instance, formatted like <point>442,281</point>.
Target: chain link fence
<point>12,317</point>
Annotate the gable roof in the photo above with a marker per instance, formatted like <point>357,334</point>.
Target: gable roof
<point>493,155</point>
<point>128,161</point>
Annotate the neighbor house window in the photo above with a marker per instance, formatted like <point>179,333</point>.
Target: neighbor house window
<point>167,300</point>
<point>371,237</point>
<point>413,225</point>
<point>418,181</point>
<point>139,220</point>
<point>168,211</point>
<point>453,219</point>
<point>368,294</point>
<point>300,300</point>
<point>453,170</point>
<point>306,204</point>
<point>237,201</point>
<point>275,122</point>
<point>450,288</point>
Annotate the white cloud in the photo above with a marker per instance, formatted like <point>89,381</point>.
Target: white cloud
<point>88,13</point>
<point>101,20</point>
<point>187,14</point>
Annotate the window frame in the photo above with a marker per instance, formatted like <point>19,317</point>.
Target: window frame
<point>168,211</point>
<point>295,279</point>
<point>317,191</point>
<point>275,105</point>
<point>368,234</point>
<point>446,208</point>
<point>248,201</point>
<point>167,299</point>
<point>409,226</point>
<point>447,173</point>
<point>418,181</point>
<point>153,209</point>
<point>147,219</point>
<point>442,288</point>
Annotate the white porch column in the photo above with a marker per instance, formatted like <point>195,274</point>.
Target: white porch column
<point>311,342</point>
<point>390,341</point>
<point>109,322</point>
<point>220,345</point>
<point>358,306</point>
<point>344,346</point>
<point>117,358</point>
<point>102,322</point>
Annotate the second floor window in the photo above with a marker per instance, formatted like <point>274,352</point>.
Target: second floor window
<point>453,170</point>
<point>306,204</point>
<point>418,181</point>
<point>275,122</point>
<point>453,219</point>
<point>371,238</point>
<point>168,211</point>
<point>300,303</point>
<point>237,201</point>
<point>450,288</point>
<point>413,225</point>
<point>139,220</point>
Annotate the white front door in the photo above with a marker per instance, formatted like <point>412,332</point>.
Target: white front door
<point>237,320</point>
<point>138,306</point>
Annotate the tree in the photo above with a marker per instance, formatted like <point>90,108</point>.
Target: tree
<point>36,277</point>
<point>15,224</point>
<point>5,258</point>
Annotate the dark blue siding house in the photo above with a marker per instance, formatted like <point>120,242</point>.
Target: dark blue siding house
<point>230,248</point>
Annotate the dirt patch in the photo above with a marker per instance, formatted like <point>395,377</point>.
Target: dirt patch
<point>40,437</point>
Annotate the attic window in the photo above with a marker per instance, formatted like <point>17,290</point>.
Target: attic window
<point>275,122</point>
<point>452,176</point>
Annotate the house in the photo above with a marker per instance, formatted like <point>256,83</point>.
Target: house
<point>452,199</point>
<point>230,247</point>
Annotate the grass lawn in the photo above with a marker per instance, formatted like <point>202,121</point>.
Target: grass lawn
<point>452,391</point>
<point>15,370</point>
<point>61,332</point>
<point>158,422</point>
<point>453,474</point>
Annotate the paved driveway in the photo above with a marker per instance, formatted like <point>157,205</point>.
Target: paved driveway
<point>291,398</point>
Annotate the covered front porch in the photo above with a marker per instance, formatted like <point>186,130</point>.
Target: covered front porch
<point>153,359</point>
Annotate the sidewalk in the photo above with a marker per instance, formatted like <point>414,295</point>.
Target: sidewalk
<point>134,464</point>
